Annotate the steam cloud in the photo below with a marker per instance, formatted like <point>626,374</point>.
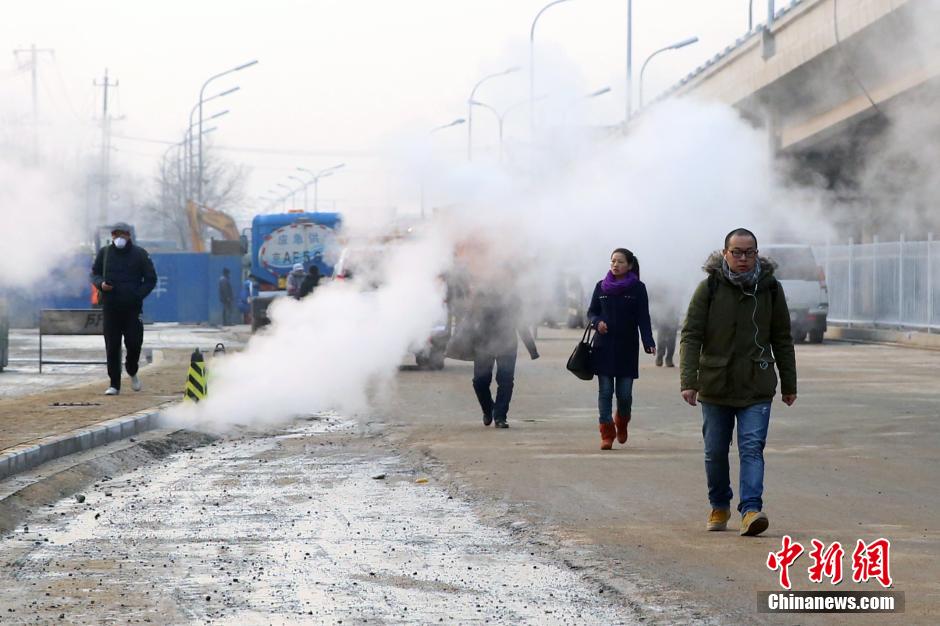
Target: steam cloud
<point>686,174</point>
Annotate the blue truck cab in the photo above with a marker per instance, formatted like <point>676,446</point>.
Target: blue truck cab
<point>279,241</point>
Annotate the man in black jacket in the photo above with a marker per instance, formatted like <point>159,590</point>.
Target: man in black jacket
<point>125,275</point>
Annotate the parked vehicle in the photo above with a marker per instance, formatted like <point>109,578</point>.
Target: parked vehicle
<point>282,240</point>
<point>804,283</point>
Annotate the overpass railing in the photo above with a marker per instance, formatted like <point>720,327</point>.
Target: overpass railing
<point>889,284</point>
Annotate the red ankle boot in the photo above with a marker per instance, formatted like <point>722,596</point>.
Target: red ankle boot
<point>608,434</point>
<point>620,422</point>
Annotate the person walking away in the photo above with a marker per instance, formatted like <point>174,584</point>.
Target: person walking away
<point>125,275</point>
<point>619,311</point>
<point>737,327</point>
<point>667,329</point>
<point>295,279</point>
<point>226,297</point>
<point>310,282</point>
<point>497,317</point>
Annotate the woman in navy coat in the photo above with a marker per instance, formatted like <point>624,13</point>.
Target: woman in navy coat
<point>620,313</point>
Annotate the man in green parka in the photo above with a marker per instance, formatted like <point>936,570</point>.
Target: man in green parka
<point>737,327</point>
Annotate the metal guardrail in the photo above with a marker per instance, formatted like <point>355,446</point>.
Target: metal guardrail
<point>69,322</point>
<point>892,284</point>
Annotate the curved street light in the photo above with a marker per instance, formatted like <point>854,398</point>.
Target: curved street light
<point>472,97</point>
<point>315,180</point>
<point>290,194</point>
<point>303,185</point>
<point>679,44</point>
<point>202,99</point>
<point>456,122</point>
<point>532,63</point>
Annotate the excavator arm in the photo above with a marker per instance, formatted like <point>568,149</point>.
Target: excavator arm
<point>219,221</point>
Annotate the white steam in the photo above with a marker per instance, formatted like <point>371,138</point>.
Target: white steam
<point>686,174</point>
<point>327,351</point>
<point>38,221</point>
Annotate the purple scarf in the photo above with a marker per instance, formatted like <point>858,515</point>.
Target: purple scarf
<point>611,286</point>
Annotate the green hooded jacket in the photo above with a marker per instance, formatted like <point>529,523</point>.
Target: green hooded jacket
<point>732,339</point>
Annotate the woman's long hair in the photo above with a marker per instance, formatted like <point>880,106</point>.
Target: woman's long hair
<point>631,259</point>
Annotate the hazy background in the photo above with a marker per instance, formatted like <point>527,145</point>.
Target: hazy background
<point>337,81</point>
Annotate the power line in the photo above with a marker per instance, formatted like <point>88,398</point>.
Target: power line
<point>269,150</point>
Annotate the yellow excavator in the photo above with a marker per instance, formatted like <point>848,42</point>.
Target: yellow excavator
<point>219,221</point>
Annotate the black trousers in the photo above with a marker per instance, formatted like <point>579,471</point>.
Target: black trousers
<point>505,376</point>
<point>126,323</point>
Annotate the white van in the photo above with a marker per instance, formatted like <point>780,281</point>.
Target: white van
<point>804,284</point>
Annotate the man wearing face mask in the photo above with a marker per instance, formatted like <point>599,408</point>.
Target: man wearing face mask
<point>125,276</point>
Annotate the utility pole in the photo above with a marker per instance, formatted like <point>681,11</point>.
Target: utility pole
<point>32,63</point>
<point>105,173</point>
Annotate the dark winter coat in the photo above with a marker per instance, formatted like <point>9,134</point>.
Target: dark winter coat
<point>498,325</point>
<point>226,295</point>
<point>720,355</point>
<point>627,315</point>
<point>130,271</point>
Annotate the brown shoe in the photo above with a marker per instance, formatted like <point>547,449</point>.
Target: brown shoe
<point>718,519</point>
<point>754,523</point>
<point>608,434</point>
<point>620,422</point>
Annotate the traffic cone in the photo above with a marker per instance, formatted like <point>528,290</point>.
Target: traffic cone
<point>196,386</point>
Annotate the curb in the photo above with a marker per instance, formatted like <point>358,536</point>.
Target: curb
<point>29,456</point>
<point>908,339</point>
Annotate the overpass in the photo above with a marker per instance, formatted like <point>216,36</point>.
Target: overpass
<point>827,78</point>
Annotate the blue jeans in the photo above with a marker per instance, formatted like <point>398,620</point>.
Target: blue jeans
<point>605,392</point>
<point>717,428</point>
<point>483,376</point>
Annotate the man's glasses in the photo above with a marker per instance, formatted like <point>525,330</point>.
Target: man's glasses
<point>740,254</point>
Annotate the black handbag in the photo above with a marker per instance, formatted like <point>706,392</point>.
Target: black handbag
<point>579,363</point>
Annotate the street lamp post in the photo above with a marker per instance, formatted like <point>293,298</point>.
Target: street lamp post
<point>191,139</point>
<point>289,194</point>
<point>629,61</point>
<point>532,65</point>
<point>471,99</point>
<point>456,122</point>
<point>315,180</point>
<point>499,119</point>
<point>201,101</point>
<point>303,185</point>
<point>192,123</point>
<point>679,44</point>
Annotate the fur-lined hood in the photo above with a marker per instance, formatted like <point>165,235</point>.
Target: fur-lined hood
<point>713,264</point>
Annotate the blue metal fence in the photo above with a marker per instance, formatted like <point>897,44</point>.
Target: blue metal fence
<point>187,290</point>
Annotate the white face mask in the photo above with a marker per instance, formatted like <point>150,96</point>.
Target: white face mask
<point>120,242</point>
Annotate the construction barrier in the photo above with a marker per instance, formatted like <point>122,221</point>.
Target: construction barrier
<point>197,387</point>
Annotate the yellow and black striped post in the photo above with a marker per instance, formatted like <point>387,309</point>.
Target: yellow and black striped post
<point>196,386</point>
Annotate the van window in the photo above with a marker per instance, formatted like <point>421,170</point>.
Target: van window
<point>794,263</point>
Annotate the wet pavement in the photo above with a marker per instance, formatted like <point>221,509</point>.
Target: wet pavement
<point>316,523</point>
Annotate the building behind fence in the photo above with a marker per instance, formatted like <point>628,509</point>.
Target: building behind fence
<point>884,283</point>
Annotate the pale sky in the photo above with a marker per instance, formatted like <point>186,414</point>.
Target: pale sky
<point>338,80</point>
